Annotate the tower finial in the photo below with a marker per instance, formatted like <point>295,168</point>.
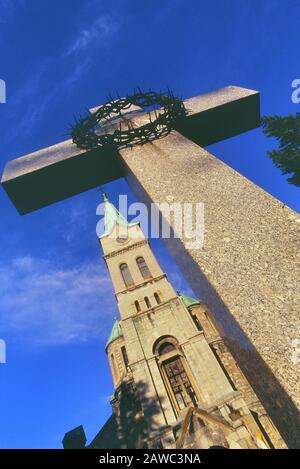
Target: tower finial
<point>111,216</point>
<point>103,193</point>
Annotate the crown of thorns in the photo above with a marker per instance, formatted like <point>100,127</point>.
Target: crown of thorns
<point>164,111</point>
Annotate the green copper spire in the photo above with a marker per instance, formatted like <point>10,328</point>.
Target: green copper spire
<point>116,332</point>
<point>188,301</point>
<point>112,216</point>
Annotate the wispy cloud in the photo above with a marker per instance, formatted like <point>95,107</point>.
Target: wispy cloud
<point>99,32</point>
<point>31,96</point>
<point>46,305</point>
<point>7,5</point>
<point>8,8</point>
<point>31,100</point>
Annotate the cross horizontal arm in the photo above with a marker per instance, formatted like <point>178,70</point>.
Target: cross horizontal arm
<point>220,114</point>
<point>57,172</point>
<point>62,170</point>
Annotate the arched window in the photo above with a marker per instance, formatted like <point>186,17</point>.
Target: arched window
<point>175,374</point>
<point>159,347</point>
<point>147,301</point>
<point>143,268</point>
<point>125,357</point>
<point>157,298</point>
<point>126,275</point>
<point>137,306</point>
<point>166,347</point>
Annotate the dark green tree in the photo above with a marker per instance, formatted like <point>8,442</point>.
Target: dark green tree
<point>286,130</point>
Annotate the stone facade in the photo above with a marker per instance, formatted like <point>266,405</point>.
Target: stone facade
<point>249,267</point>
<point>176,383</point>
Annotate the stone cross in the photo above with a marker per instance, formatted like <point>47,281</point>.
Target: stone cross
<point>248,269</point>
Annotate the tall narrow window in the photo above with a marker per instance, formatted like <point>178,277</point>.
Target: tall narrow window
<point>112,358</point>
<point>197,322</point>
<point>157,298</point>
<point>126,275</point>
<point>180,383</point>
<point>143,268</point>
<point>175,373</point>
<point>147,301</point>
<point>137,306</point>
<point>125,357</point>
<point>223,368</point>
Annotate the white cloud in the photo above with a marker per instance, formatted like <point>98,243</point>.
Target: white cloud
<point>100,31</point>
<point>25,262</point>
<point>47,305</point>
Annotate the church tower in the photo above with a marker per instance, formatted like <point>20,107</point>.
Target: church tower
<point>176,383</point>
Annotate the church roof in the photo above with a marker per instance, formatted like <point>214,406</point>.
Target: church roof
<point>112,216</point>
<point>108,436</point>
<point>116,332</point>
<point>188,300</point>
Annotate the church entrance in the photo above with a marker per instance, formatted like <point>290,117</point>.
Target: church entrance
<point>174,369</point>
<point>179,383</point>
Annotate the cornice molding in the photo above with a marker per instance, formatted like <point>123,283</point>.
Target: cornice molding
<point>139,285</point>
<point>125,248</point>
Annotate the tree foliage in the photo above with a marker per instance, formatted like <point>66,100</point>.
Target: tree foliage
<point>286,130</point>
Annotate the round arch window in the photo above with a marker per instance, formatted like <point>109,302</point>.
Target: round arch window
<point>166,347</point>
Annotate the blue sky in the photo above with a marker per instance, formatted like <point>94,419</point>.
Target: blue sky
<point>58,59</point>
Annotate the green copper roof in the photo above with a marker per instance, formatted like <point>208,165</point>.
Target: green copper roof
<point>112,216</point>
<point>116,332</point>
<point>189,301</point>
